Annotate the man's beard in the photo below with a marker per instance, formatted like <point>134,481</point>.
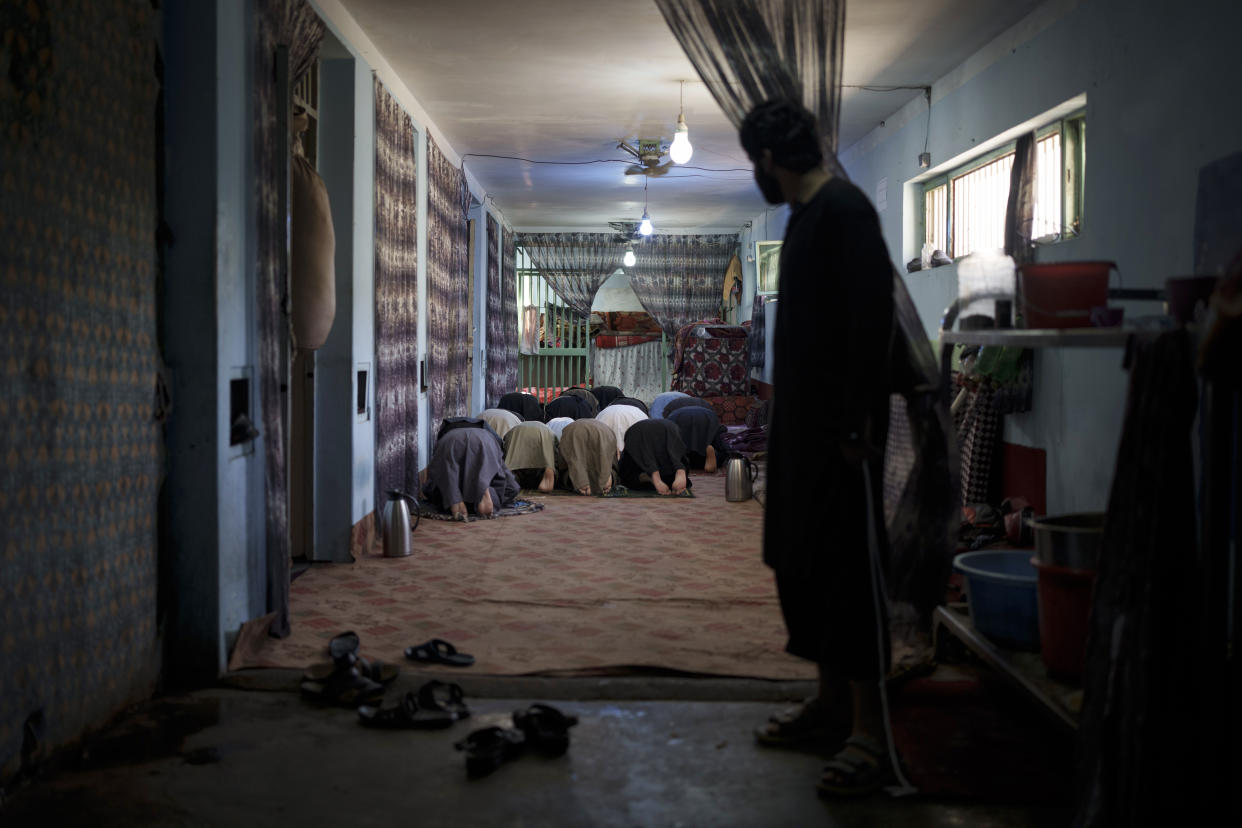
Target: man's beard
<point>770,186</point>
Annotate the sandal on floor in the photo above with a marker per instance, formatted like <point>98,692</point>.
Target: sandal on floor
<point>343,645</point>
<point>546,728</point>
<point>810,724</point>
<point>377,671</point>
<point>443,696</point>
<point>348,688</point>
<point>860,769</point>
<point>490,747</point>
<point>407,714</point>
<point>438,651</point>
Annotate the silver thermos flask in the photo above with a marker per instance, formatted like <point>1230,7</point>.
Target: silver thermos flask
<point>740,476</point>
<point>395,525</point>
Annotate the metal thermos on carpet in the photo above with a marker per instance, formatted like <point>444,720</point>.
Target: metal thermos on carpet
<point>740,476</point>
<point>395,525</point>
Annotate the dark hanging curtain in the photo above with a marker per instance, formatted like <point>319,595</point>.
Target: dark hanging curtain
<point>502,334</point>
<point>396,297</point>
<point>1140,690</point>
<point>448,202</point>
<point>508,284</point>
<point>678,279</point>
<point>294,24</point>
<point>495,316</point>
<point>573,264</point>
<point>748,51</point>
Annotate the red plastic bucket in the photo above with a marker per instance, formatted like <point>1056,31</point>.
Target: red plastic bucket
<point>1064,599</point>
<point>1062,294</point>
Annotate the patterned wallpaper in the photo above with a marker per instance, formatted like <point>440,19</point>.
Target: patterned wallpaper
<point>80,452</point>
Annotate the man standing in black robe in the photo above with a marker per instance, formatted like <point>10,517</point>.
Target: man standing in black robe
<point>831,365</point>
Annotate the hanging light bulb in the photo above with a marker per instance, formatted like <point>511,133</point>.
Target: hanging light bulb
<point>680,151</point>
<point>644,226</point>
<point>628,261</point>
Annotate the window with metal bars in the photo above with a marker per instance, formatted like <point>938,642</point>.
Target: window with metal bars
<point>554,352</point>
<point>964,209</point>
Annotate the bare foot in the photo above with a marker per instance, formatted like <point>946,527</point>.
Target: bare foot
<point>608,485</point>
<point>585,490</point>
<point>660,486</point>
<point>486,507</point>
<point>458,510</point>
<point>710,465</point>
<point>679,481</point>
<point>549,480</point>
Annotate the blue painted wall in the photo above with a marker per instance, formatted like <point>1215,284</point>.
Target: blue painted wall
<point>1152,80</point>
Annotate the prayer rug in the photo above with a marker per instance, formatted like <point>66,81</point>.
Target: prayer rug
<point>616,491</point>
<point>519,507</point>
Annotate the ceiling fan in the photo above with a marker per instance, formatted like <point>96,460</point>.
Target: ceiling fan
<point>648,152</point>
<point>627,231</point>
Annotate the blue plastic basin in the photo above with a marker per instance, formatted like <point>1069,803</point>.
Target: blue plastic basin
<point>1001,593</point>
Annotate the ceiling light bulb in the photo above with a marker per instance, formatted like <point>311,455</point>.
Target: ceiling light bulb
<point>644,226</point>
<point>681,150</point>
<point>628,261</point>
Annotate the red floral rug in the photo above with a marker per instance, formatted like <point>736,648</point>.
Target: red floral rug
<point>586,585</point>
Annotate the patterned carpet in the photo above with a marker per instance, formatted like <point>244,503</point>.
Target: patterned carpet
<point>585,585</point>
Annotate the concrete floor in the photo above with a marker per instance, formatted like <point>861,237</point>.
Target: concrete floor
<point>233,757</point>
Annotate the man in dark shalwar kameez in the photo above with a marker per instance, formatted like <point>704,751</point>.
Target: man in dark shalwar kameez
<point>831,371</point>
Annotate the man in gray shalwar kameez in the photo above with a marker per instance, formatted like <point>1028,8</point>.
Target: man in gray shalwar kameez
<point>467,473</point>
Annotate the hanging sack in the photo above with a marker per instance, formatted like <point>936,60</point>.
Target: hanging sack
<point>312,275</point>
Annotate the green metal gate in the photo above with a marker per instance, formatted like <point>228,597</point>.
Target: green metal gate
<point>555,339</point>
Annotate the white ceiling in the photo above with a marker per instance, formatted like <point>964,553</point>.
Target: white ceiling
<point>565,80</point>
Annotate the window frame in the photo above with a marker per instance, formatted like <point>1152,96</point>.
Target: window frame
<point>1072,129</point>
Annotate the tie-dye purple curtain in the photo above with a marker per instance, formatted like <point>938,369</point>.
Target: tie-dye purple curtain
<point>501,349</point>
<point>679,279</point>
<point>291,23</point>
<point>396,297</point>
<point>573,264</point>
<point>448,201</point>
<point>508,283</point>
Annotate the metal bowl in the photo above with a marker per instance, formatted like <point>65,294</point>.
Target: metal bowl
<point>1071,541</point>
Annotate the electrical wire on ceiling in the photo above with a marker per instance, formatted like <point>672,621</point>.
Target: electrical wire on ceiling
<point>594,161</point>
<point>874,88</point>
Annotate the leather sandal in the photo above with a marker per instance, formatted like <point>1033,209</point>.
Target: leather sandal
<point>408,714</point>
<point>861,768</point>
<point>443,696</point>
<point>490,747</point>
<point>809,725</point>
<point>377,671</point>
<point>546,728</point>
<point>347,688</point>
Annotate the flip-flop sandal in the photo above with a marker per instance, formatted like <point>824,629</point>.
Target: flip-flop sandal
<point>489,748</point>
<point>802,726</point>
<point>343,645</point>
<point>861,769</point>
<point>377,671</point>
<point>546,728</point>
<point>408,714</point>
<point>443,696</point>
<point>438,651</point>
<point>348,688</point>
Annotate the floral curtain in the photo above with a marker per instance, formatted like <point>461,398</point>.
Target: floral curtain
<point>448,202</point>
<point>396,297</point>
<point>678,279</point>
<point>748,51</point>
<point>573,264</point>
<point>291,23</point>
